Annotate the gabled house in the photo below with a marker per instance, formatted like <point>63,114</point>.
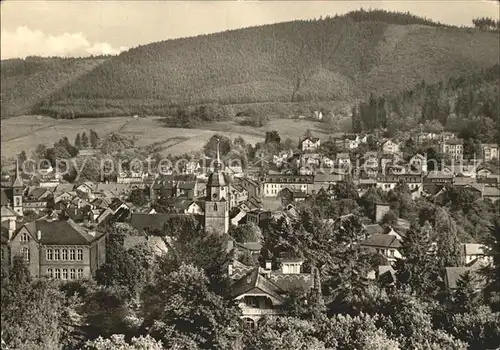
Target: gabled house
<point>384,244</point>
<point>390,147</point>
<point>263,291</point>
<point>490,152</point>
<point>389,182</point>
<point>59,249</point>
<point>454,148</point>
<point>310,144</point>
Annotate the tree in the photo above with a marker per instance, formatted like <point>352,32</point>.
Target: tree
<point>407,319</point>
<point>94,139</point>
<point>272,136</point>
<point>390,218</point>
<point>181,302</point>
<point>465,297</point>
<point>492,271</point>
<point>22,157</point>
<point>345,190</point>
<point>225,146</point>
<point>121,269</point>
<point>117,341</point>
<point>284,333</point>
<point>78,141</point>
<point>40,152</point>
<point>35,315</point>
<point>418,271</point>
<point>448,242</point>
<point>246,233</point>
<point>332,124</point>
<point>84,140</point>
<point>138,197</point>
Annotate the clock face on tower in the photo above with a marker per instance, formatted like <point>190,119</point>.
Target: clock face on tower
<point>214,196</point>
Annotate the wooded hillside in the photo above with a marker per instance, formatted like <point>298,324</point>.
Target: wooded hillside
<point>340,58</point>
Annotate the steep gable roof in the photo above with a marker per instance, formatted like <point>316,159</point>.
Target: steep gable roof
<point>254,280</point>
<point>387,241</point>
<point>59,232</point>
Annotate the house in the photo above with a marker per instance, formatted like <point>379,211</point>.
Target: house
<point>453,275</point>
<point>424,137</point>
<point>318,115</point>
<point>238,194</point>
<point>263,291</point>
<point>310,159</point>
<point>259,217</point>
<point>310,144</point>
<point>59,249</point>
<point>473,252</point>
<point>254,188</point>
<point>418,163</point>
<point>274,183</point>
<point>282,158</point>
<point>435,180</point>
<point>234,171</point>
<point>461,168</point>
<point>385,244</point>
<point>327,162</point>
<point>86,188</point>
<point>389,182</point>
<point>288,196</point>
<point>343,161</point>
<point>131,177</point>
<point>445,136</point>
<point>453,148</point>
<point>489,151</point>
<point>174,186</point>
<point>485,171</point>
<point>37,199</point>
<point>390,147</point>
<point>324,181</point>
<point>350,141</point>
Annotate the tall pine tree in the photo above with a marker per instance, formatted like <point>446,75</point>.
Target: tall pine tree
<point>84,140</point>
<point>78,141</point>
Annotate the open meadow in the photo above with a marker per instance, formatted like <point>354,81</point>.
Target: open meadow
<point>26,132</point>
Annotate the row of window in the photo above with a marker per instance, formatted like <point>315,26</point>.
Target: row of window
<point>64,254</point>
<point>63,273</point>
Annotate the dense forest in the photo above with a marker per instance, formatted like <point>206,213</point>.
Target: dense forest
<point>468,104</point>
<point>343,58</point>
<point>27,81</point>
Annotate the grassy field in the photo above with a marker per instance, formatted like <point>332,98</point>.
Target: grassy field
<point>26,132</point>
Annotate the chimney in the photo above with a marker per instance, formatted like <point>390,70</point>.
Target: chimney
<point>39,235</point>
<point>268,264</point>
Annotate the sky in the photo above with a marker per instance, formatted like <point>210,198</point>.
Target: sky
<point>82,28</point>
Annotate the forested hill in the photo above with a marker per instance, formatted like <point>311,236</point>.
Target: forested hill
<point>26,82</point>
<point>341,58</point>
<point>468,104</point>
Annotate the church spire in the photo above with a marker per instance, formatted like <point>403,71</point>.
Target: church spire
<point>17,181</point>
<point>217,164</point>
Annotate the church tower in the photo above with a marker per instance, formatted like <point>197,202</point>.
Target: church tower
<point>217,200</point>
<point>17,193</point>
